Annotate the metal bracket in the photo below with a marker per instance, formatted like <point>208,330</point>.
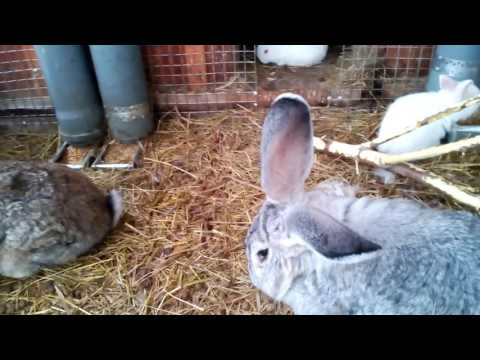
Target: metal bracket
<point>85,162</point>
<point>59,153</point>
<point>459,132</point>
<point>95,158</point>
<point>136,162</point>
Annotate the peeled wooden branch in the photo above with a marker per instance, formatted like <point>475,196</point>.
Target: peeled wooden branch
<point>459,107</point>
<point>382,159</point>
<point>351,151</point>
<point>358,152</point>
<point>434,151</point>
<point>365,153</point>
<point>437,182</point>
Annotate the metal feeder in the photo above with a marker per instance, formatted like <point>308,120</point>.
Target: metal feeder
<point>95,158</point>
<point>85,162</point>
<point>136,161</point>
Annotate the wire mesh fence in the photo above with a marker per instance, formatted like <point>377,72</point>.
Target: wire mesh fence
<point>24,100</point>
<point>385,72</point>
<point>210,78</point>
<point>201,78</point>
<point>22,87</point>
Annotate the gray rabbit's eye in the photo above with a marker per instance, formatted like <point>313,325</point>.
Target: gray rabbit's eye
<point>262,255</point>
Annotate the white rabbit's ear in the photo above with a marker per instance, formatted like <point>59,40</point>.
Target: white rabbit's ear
<point>447,83</point>
<point>327,236</point>
<point>287,148</point>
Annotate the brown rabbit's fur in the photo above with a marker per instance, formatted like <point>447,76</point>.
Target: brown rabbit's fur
<point>49,215</point>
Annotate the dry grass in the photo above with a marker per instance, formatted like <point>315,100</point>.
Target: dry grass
<point>27,146</point>
<point>180,247</point>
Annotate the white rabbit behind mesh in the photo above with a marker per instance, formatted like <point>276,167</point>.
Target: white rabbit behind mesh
<point>328,252</point>
<point>292,55</point>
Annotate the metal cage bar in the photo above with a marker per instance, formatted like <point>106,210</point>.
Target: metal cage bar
<point>201,78</point>
<point>385,72</point>
<point>23,91</point>
<point>211,78</point>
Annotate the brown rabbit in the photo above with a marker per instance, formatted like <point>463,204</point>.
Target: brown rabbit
<point>50,215</point>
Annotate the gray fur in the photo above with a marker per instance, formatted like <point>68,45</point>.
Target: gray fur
<point>49,215</point>
<point>415,260</point>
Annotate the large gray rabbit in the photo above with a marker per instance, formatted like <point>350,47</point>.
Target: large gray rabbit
<point>49,215</point>
<point>329,252</point>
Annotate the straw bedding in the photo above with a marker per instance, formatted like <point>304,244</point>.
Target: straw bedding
<point>179,249</point>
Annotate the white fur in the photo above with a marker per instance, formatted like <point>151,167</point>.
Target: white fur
<point>292,55</point>
<point>117,205</point>
<point>407,110</point>
<point>289,95</point>
<point>386,176</point>
<point>357,258</point>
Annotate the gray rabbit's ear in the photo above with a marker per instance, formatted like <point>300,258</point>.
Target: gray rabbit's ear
<point>327,236</point>
<point>287,148</point>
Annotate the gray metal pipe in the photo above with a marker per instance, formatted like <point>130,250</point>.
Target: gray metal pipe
<point>124,91</point>
<point>460,62</point>
<point>459,132</point>
<point>72,88</point>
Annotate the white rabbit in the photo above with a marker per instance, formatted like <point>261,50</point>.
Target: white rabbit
<point>328,252</point>
<point>292,55</point>
<point>407,110</point>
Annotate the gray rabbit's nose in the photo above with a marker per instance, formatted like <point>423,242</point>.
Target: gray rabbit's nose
<point>262,255</point>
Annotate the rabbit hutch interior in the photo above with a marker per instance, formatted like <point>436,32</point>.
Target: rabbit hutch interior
<point>176,130</point>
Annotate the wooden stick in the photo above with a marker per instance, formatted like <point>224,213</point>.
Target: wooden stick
<point>460,106</point>
<point>434,151</point>
<point>351,151</point>
<point>381,159</point>
<point>438,183</point>
<point>365,153</point>
<point>357,152</point>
